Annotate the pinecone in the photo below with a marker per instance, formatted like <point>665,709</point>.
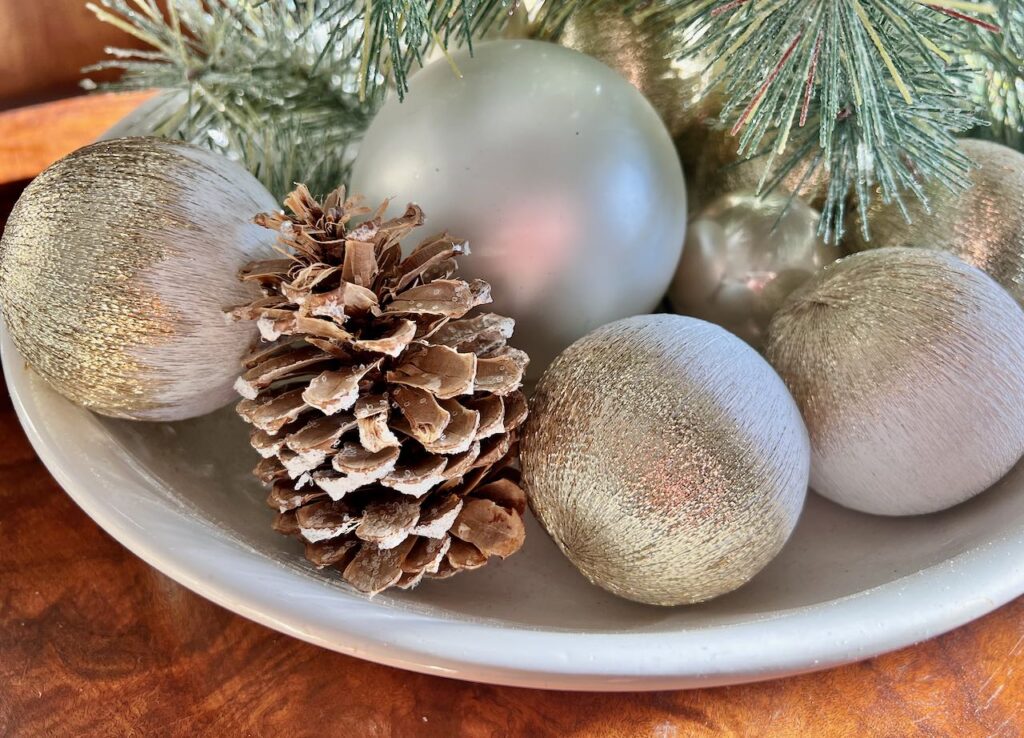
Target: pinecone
<point>386,419</point>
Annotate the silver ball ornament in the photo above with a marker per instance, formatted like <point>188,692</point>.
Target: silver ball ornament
<point>116,267</point>
<point>665,458</point>
<point>908,367</point>
<point>744,254</point>
<point>557,171</point>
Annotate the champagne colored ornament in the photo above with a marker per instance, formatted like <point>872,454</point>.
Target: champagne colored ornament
<point>680,90</point>
<point>715,168</point>
<point>743,256</point>
<point>908,366</point>
<point>665,458</point>
<point>683,93</point>
<point>556,170</point>
<point>642,51</point>
<point>984,226</point>
<point>115,270</point>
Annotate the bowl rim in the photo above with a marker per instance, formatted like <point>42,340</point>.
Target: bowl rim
<point>818,636</point>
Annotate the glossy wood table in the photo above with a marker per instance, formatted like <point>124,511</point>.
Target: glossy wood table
<point>94,642</point>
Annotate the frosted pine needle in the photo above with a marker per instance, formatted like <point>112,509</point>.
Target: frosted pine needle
<point>867,88</point>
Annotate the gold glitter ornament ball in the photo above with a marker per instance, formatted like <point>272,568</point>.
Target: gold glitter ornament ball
<point>665,458</point>
<point>984,226</point>
<point>115,269</point>
<point>908,367</point>
<point>642,51</point>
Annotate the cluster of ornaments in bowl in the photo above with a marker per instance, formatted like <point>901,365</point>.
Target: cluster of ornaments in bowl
<point>666,456</point>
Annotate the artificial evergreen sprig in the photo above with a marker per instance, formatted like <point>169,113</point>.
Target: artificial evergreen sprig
<point>400,32</point>
<point>289,86</point>
<point>871,89</point>
<point>271,83</point>
<point>864,87</point>
<point>997,85</point>
<point>1011,24</point>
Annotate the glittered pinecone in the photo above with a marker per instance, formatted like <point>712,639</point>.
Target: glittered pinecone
<point>386,418</point>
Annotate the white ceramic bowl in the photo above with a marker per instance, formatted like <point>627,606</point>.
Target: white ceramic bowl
<point>847,586</point>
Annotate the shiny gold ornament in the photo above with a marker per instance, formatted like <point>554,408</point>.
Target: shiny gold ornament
<point>715,168</point>
<point>116,267</point>
<point>665,458</point>
<point>908,367</point>
<point>642,51</point>
<point>682,92</point>
<point>984,226</point>
<point>744,254</point>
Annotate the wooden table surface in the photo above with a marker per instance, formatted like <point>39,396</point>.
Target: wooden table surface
<point>94,642</point>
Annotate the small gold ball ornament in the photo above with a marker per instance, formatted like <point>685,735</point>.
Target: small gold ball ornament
<point>984,226</point>
<point>665,458</point>
<point>744,254</point>
<point>116,267</point>
<point>908,367</point>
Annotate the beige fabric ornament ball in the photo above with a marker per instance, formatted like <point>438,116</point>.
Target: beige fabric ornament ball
<point>984,226</point>
<point>116,267</point>
<point>665,458</point>
<point>908,366</point>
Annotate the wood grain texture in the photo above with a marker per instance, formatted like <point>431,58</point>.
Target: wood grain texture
<point>32,138</point>
<point>95,642</point>
<point>45,43</point>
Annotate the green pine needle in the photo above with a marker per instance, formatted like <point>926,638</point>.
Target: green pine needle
<point>289,86</point>
<point>862,86</point>
<point>997,86</point>
<point>272,84</point>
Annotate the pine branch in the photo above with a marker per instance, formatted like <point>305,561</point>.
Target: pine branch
<point>997,87</point>
<point>863,86</point>
<point>271,84</point>
<point>866,88</point>
<point>400,32</point>
<point>1011,22</point>
<point>289,86</point>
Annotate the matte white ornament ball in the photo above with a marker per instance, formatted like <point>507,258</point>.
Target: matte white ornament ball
<point>116,267</point>
<point>557,171</point>
<point>908,366</point>
<point>665,458</point>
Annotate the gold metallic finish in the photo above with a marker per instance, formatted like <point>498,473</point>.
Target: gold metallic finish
<point>683,93</point>
<point>744,254</point>
<point>642,53</point>
<point>711,158</point>
<point>665,458</point>
<point>908,367</point>
<point>984,226</point>
<point>115,268</point>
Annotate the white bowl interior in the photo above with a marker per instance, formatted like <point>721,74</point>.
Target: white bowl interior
<point>196,475</point>
<point>206,464</point>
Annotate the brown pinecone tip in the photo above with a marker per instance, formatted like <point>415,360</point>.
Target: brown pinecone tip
<point>386,418</point>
